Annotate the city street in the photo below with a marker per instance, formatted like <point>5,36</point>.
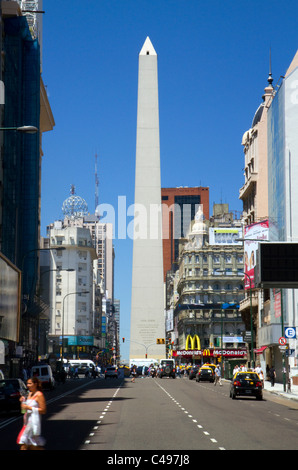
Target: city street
<point>160,415</point>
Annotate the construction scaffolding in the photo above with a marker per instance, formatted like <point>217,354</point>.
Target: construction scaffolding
<point>30,9</point>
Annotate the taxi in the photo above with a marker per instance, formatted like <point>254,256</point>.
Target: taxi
<point>206,372</point>
<point>246,384</point>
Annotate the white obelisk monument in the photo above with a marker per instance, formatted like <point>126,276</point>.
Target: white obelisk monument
<point>147,300</point>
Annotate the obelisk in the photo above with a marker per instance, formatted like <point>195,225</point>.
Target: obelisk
<point>147,299</point>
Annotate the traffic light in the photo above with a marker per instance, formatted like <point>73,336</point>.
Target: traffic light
<point>160,341</point>
<point>123,340</point>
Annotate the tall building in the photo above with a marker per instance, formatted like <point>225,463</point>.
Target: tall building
<point>179,206</point>
<point>25,102</point>
<point>207,288</point>
<point>71,290</point>
<point>283,200</point>
<point>254,195</point>
<point>147,301</point>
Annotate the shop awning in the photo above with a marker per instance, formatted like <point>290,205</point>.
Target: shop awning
<point>260,350</point>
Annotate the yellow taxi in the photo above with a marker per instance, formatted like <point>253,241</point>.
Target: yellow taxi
<point>246,384</point>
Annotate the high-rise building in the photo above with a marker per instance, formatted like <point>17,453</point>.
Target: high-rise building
<point>283,199</point>
<point>254,195</point>
<point>179,206</point>
<point>71,289</point>
<point>26,103</point>
<point>147,301</point>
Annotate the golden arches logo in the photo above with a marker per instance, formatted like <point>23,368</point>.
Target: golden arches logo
<point>206,352</point>
<point>193,341</point>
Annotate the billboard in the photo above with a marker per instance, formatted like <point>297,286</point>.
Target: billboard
<point>225,235</point>
<point>10,300</point>
<point>257,231</point>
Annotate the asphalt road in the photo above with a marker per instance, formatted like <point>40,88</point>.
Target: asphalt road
<point>159,415</point>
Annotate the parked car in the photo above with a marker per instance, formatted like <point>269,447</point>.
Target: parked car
<point>193,372</point>
<point>111,372</point>
<point>205,373</point>
<point>246,384</point>
<point>44,373</point>
<point>11,391</point>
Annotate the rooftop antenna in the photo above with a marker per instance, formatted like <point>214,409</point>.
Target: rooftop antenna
<point>96,184</point>
<point>270,79</point>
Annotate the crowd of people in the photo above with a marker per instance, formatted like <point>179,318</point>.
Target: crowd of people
<point>270,372</point>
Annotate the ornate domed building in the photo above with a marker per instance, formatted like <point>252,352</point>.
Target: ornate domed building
<point>74,206</point>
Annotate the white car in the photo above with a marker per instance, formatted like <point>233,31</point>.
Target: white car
<point>44,374</point>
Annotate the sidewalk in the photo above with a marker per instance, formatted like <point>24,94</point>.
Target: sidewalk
<point>278,389</point>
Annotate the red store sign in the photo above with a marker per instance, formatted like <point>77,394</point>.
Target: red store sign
<point>226,352</point>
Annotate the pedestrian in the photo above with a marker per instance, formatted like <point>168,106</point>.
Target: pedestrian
<point>272,376</point>
<point>134,373</point>
<point>33,407</point>
<point>217,377</point>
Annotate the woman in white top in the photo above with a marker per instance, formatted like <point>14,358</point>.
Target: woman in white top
<point>33,407</point>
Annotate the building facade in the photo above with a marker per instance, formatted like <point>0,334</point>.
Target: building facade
<point>71,291</point>
<point>254,195</point>
<point>179,206</point>
<point>24,102</point>
<point>283,198</point>
<point>207,288</point>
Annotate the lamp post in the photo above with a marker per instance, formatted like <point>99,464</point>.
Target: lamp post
<point>40,296</point>
<point>251,322</point>
<point>23,129</point>
<point>22,276</point>
<point>62,335</point>
<point>282,313</point>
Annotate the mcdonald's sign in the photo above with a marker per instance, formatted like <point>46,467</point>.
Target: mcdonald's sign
<point>193,341</point>
<point>206,352</point>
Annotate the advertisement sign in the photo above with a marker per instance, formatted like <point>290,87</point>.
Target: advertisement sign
<point>225,236</point>
<point>277,303</point>
<point>226,352</point>
<point>78,340</point>
<point>257,231</point>
<point>10,300</point>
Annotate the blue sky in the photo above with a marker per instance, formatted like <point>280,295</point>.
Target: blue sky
<point>213,64</point>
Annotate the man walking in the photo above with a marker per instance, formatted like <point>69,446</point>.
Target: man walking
<point>217,377</point>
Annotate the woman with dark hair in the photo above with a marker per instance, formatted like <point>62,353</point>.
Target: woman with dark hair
<point>33,406</point>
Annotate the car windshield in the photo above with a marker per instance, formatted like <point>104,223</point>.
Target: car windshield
<point>8,384</point>
<point>244,376</point>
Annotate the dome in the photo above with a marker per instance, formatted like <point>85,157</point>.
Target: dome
<point>74,206</point>
<point>258,115</point>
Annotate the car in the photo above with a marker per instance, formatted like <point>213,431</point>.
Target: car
<point>167,368</point>
<point>11,391</point>
<point>205,373</point>
<point>246,384</point>
<point>140,370</point>
<point>44,373</point>
<point>193,372</point>
<point>111,372</point>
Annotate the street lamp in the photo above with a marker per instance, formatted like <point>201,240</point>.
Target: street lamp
<point>24,129</point>
<point>282,313</point>
<point>251,321</point>
<point>62,336</point>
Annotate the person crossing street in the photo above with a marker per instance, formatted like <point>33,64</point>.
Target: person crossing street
<point>217,378</point>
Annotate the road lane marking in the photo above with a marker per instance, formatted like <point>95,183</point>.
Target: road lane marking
<point>206,433</point>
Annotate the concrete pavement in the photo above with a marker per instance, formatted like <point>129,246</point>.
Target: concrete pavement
<point>278,389</point>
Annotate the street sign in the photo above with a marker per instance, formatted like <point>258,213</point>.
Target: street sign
<point>290,332</point>
<point>282,341</point>
<point>289,352</point>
